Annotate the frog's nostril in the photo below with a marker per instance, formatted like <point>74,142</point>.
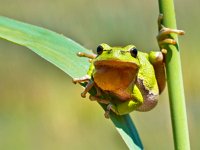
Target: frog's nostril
<point>122,52</point>
<point>109,51</point>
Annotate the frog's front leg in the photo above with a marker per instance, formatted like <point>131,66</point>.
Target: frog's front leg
<point>82,54</point>
<point>163,36</point>
<point>85,78</point>
<point>88,87</point>
<point>90,56</point>
<point>90,83</point>
<point>157,59</point>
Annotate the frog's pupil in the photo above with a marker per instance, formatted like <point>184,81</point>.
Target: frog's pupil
<point>99,50</point>
<point>134,52</point>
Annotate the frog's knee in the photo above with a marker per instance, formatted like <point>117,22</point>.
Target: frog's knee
<point>149,103</point>
<point>155,57</point>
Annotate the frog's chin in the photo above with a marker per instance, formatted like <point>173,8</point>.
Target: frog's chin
<point>114,75</point>
<point>115,64</point>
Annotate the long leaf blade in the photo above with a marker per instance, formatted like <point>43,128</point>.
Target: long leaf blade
<point>56,48</point>
<point>61,51</point>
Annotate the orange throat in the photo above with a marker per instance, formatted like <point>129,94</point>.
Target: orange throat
<point>115,79</point>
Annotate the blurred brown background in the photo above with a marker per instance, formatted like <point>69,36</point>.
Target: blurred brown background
<point>39,106</point>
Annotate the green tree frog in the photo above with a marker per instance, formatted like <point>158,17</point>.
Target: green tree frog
<point>125,78</point>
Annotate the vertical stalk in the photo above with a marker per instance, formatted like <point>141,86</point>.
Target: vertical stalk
<point>175,82</point>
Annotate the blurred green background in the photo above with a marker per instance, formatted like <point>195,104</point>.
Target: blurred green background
<point>41,109</point>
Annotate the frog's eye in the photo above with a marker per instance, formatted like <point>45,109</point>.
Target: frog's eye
<point>134,52</point>
<point>99,50</point>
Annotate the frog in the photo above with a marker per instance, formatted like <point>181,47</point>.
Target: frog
<point>126,79</point>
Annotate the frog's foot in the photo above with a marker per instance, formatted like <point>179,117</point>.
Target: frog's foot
<point>163,36</point>
<point>82,54</point>
<point>85,78</point>
<point>89,85</point>
<point>90,56</point>
<point>112,108</point>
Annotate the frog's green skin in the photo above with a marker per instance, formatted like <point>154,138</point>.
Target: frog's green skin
<point>128,82</point>
<point>126,79</point>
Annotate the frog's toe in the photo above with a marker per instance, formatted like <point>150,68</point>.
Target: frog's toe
<point>164,32</point>
<point>85,78</point>
<point>83,94</point>
<point>82,54</point>
<point>160,18</point>
<point>107,114</point>
<point>163,36</point>
<point>75,80</point>
<point>164,51</point>
<point>166,41</point>
<point>112,108</point>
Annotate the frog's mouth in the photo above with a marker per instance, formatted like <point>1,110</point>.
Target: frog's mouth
<point>115,64</point>
<point>113,75</point>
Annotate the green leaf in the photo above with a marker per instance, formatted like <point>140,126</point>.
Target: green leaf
<point>61,51</point>
<point>55,48</point>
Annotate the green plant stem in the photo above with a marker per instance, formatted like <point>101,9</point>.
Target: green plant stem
<point>175,82</point>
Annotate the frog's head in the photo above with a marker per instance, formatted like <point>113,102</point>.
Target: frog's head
<point>117,64</point>
<point>117,57</point>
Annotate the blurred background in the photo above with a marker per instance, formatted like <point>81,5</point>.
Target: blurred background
<point>41,109</point>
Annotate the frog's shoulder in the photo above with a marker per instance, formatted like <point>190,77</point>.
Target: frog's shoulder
<point>146,68</point>
<point>143,57</point>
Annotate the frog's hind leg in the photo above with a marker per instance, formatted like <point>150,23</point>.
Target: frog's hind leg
<point>110,107</point>
<point>127,106</point>
<point>123,107</point>
<point>157,60</point>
